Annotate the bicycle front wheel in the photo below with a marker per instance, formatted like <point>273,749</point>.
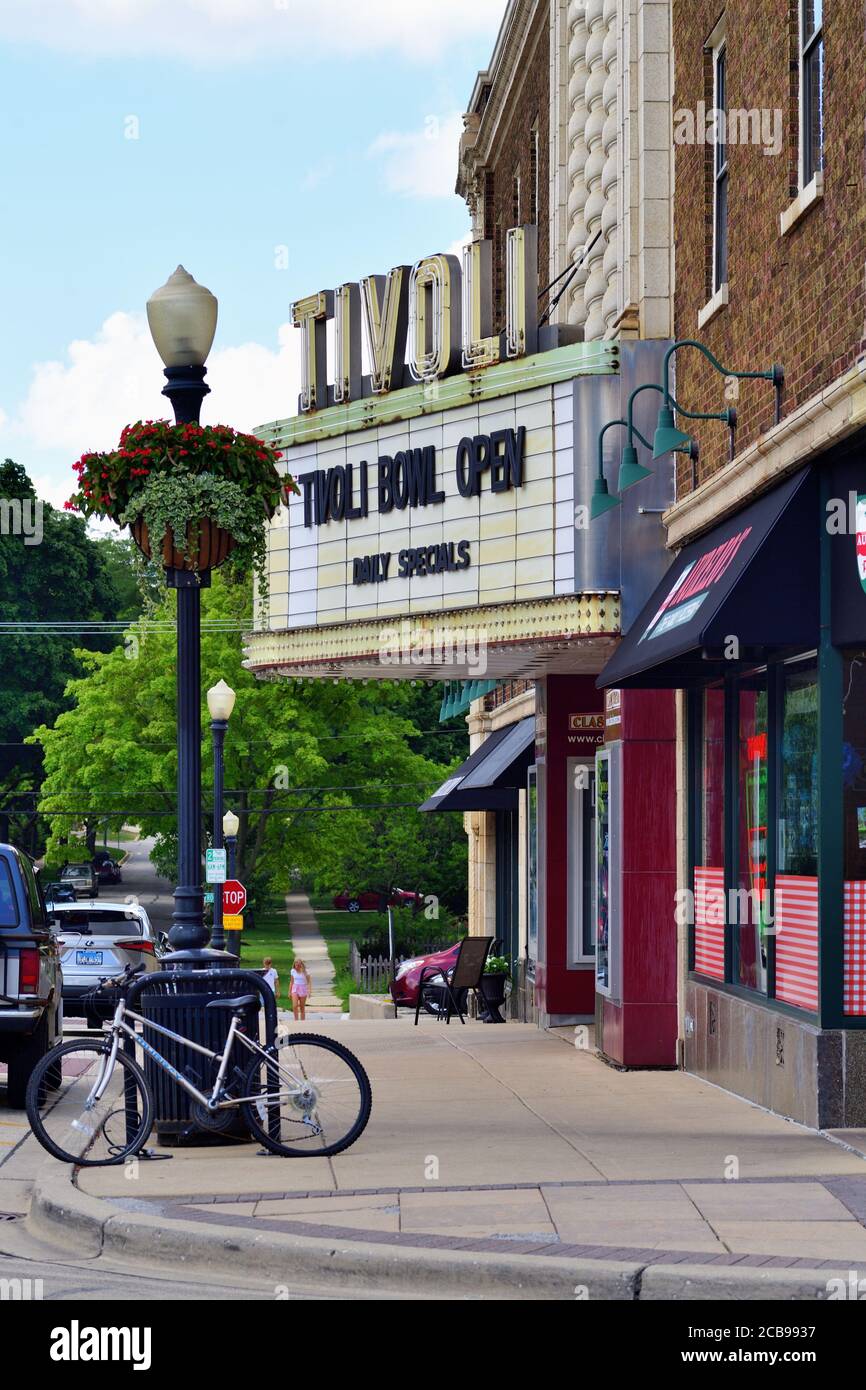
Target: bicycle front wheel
<point>84,1120</point>
<point>310,1099</point>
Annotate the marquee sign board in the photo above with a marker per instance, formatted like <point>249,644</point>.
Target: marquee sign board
<point>447,509</point>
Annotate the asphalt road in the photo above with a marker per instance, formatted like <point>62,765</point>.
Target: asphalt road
<point>66,1276</point>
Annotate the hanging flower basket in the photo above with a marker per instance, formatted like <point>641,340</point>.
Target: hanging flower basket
<point>215,544</point>
<point>207,492</point>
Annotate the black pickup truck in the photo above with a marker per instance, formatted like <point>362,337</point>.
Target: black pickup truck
<point>31,1008</point>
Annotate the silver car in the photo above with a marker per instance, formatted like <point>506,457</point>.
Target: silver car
<point>98,940</point>
<point>81,878</point>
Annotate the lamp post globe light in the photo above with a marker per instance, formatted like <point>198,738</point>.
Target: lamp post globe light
<point>220,703</point>
<point>182,316</point>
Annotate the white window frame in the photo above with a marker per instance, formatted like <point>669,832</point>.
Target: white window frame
<point>806,49</point>
<point>718,46</point>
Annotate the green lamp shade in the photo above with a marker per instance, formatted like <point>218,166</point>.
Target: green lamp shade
<point>667,436</point>
<point>602,500</point>
<point>630,471</point>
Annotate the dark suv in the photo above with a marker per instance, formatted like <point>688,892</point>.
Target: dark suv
<point>31,1008</point>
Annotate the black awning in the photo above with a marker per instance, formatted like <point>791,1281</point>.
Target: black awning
<point>747,588</point>
<point>489,780</point>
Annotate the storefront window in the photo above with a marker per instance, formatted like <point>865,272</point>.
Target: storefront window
<point>752,912</point>
<point>603,872</point>
<point>713,779</point>
<point>798,779</point>
<point>532,862</point>
<point>854,763</point>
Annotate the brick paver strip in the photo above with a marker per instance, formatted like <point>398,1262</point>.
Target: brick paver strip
<point>528,1249</point>
<point>851,1191</point>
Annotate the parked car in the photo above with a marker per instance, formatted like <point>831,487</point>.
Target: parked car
<point>97,941</point>
<point>371,901</point>
<point>82,877</point>
<point>108,871</point>
<point>31,1004</point>
<point>56,892</point>
<point>404,986</point>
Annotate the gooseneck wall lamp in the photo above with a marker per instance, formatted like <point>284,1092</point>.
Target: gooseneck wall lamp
<point>668,438</point>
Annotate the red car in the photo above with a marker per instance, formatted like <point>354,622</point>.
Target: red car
<point>370,901</point>
<point>404,986</point>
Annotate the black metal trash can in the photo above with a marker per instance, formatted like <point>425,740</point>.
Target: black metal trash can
<point>176,999</point>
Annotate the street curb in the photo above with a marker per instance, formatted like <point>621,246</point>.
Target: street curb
<point>58,1208</point>
<point>61,1212</point>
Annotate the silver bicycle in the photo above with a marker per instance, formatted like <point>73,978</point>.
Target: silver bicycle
<point>90,1104</point>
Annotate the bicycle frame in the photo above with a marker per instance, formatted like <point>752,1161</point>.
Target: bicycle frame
<point>119,1026</point>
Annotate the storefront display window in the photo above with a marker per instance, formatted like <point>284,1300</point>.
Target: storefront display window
<point>854,763</point>
<point>756,914</point>
<point>798,775</point>
<point>532,862</point>
<point>581,863</point>
<point>753,905</point>
<point>602,872</point>
<point>713,779</point>
<point>709,879</point>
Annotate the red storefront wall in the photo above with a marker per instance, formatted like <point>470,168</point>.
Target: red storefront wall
<point>640,1028</point>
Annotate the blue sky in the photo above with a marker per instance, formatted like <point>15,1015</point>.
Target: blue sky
<point>261,131</point>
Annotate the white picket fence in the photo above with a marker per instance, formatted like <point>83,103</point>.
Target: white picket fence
<point>372,973</point>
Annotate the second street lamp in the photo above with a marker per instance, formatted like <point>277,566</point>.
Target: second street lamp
<point>220,703</point>
<point>231,826</point>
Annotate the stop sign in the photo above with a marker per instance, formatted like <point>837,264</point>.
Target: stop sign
<point>234,896</point>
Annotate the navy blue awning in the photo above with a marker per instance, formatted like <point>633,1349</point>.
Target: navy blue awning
<point>489,780</point>
<point>747,588</point>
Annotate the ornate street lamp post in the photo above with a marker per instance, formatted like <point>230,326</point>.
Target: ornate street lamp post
<point>220,703</point>
<point>182,316</point>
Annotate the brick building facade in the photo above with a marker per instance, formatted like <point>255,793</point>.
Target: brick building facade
<point>508,127</point>
<point>795,296</point>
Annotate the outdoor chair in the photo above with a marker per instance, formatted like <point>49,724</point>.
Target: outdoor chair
<point>465,974</point>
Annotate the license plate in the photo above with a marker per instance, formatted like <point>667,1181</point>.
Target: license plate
<point>88,957</point>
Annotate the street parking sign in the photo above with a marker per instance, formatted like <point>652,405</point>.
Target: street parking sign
<point>234,897</point>
<point>215,866</point>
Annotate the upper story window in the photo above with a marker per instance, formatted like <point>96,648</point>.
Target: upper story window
<point>720,160</point>
<point>515,198</point>
<point>811,89</point>
<point>535,175</point>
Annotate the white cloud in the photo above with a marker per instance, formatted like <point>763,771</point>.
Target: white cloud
<point>238,30</point>
<point>107,381</point>
<point>421,163</point>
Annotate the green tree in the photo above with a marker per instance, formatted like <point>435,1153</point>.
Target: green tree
<point>51,571</point>
<point>316,770</point>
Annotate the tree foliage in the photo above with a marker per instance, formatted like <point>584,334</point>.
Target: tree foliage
<point>325,776</point>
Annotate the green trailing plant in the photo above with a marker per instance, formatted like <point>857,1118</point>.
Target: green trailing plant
<point>174,477</point>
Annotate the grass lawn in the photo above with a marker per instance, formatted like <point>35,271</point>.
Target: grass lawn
<point>271,938</point>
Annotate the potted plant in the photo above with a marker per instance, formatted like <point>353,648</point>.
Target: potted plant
<point>497,975</point>
<point>194,496</point>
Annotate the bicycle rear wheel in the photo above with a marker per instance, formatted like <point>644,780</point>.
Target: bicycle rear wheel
<point>71,1123</point>
<point>311,1099</point>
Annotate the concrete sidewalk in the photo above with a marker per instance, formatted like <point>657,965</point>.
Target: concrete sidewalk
<point>508,1144</point>
<point>309,944</point>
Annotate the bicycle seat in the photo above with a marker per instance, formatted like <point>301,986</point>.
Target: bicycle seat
<point>243,1001</point>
